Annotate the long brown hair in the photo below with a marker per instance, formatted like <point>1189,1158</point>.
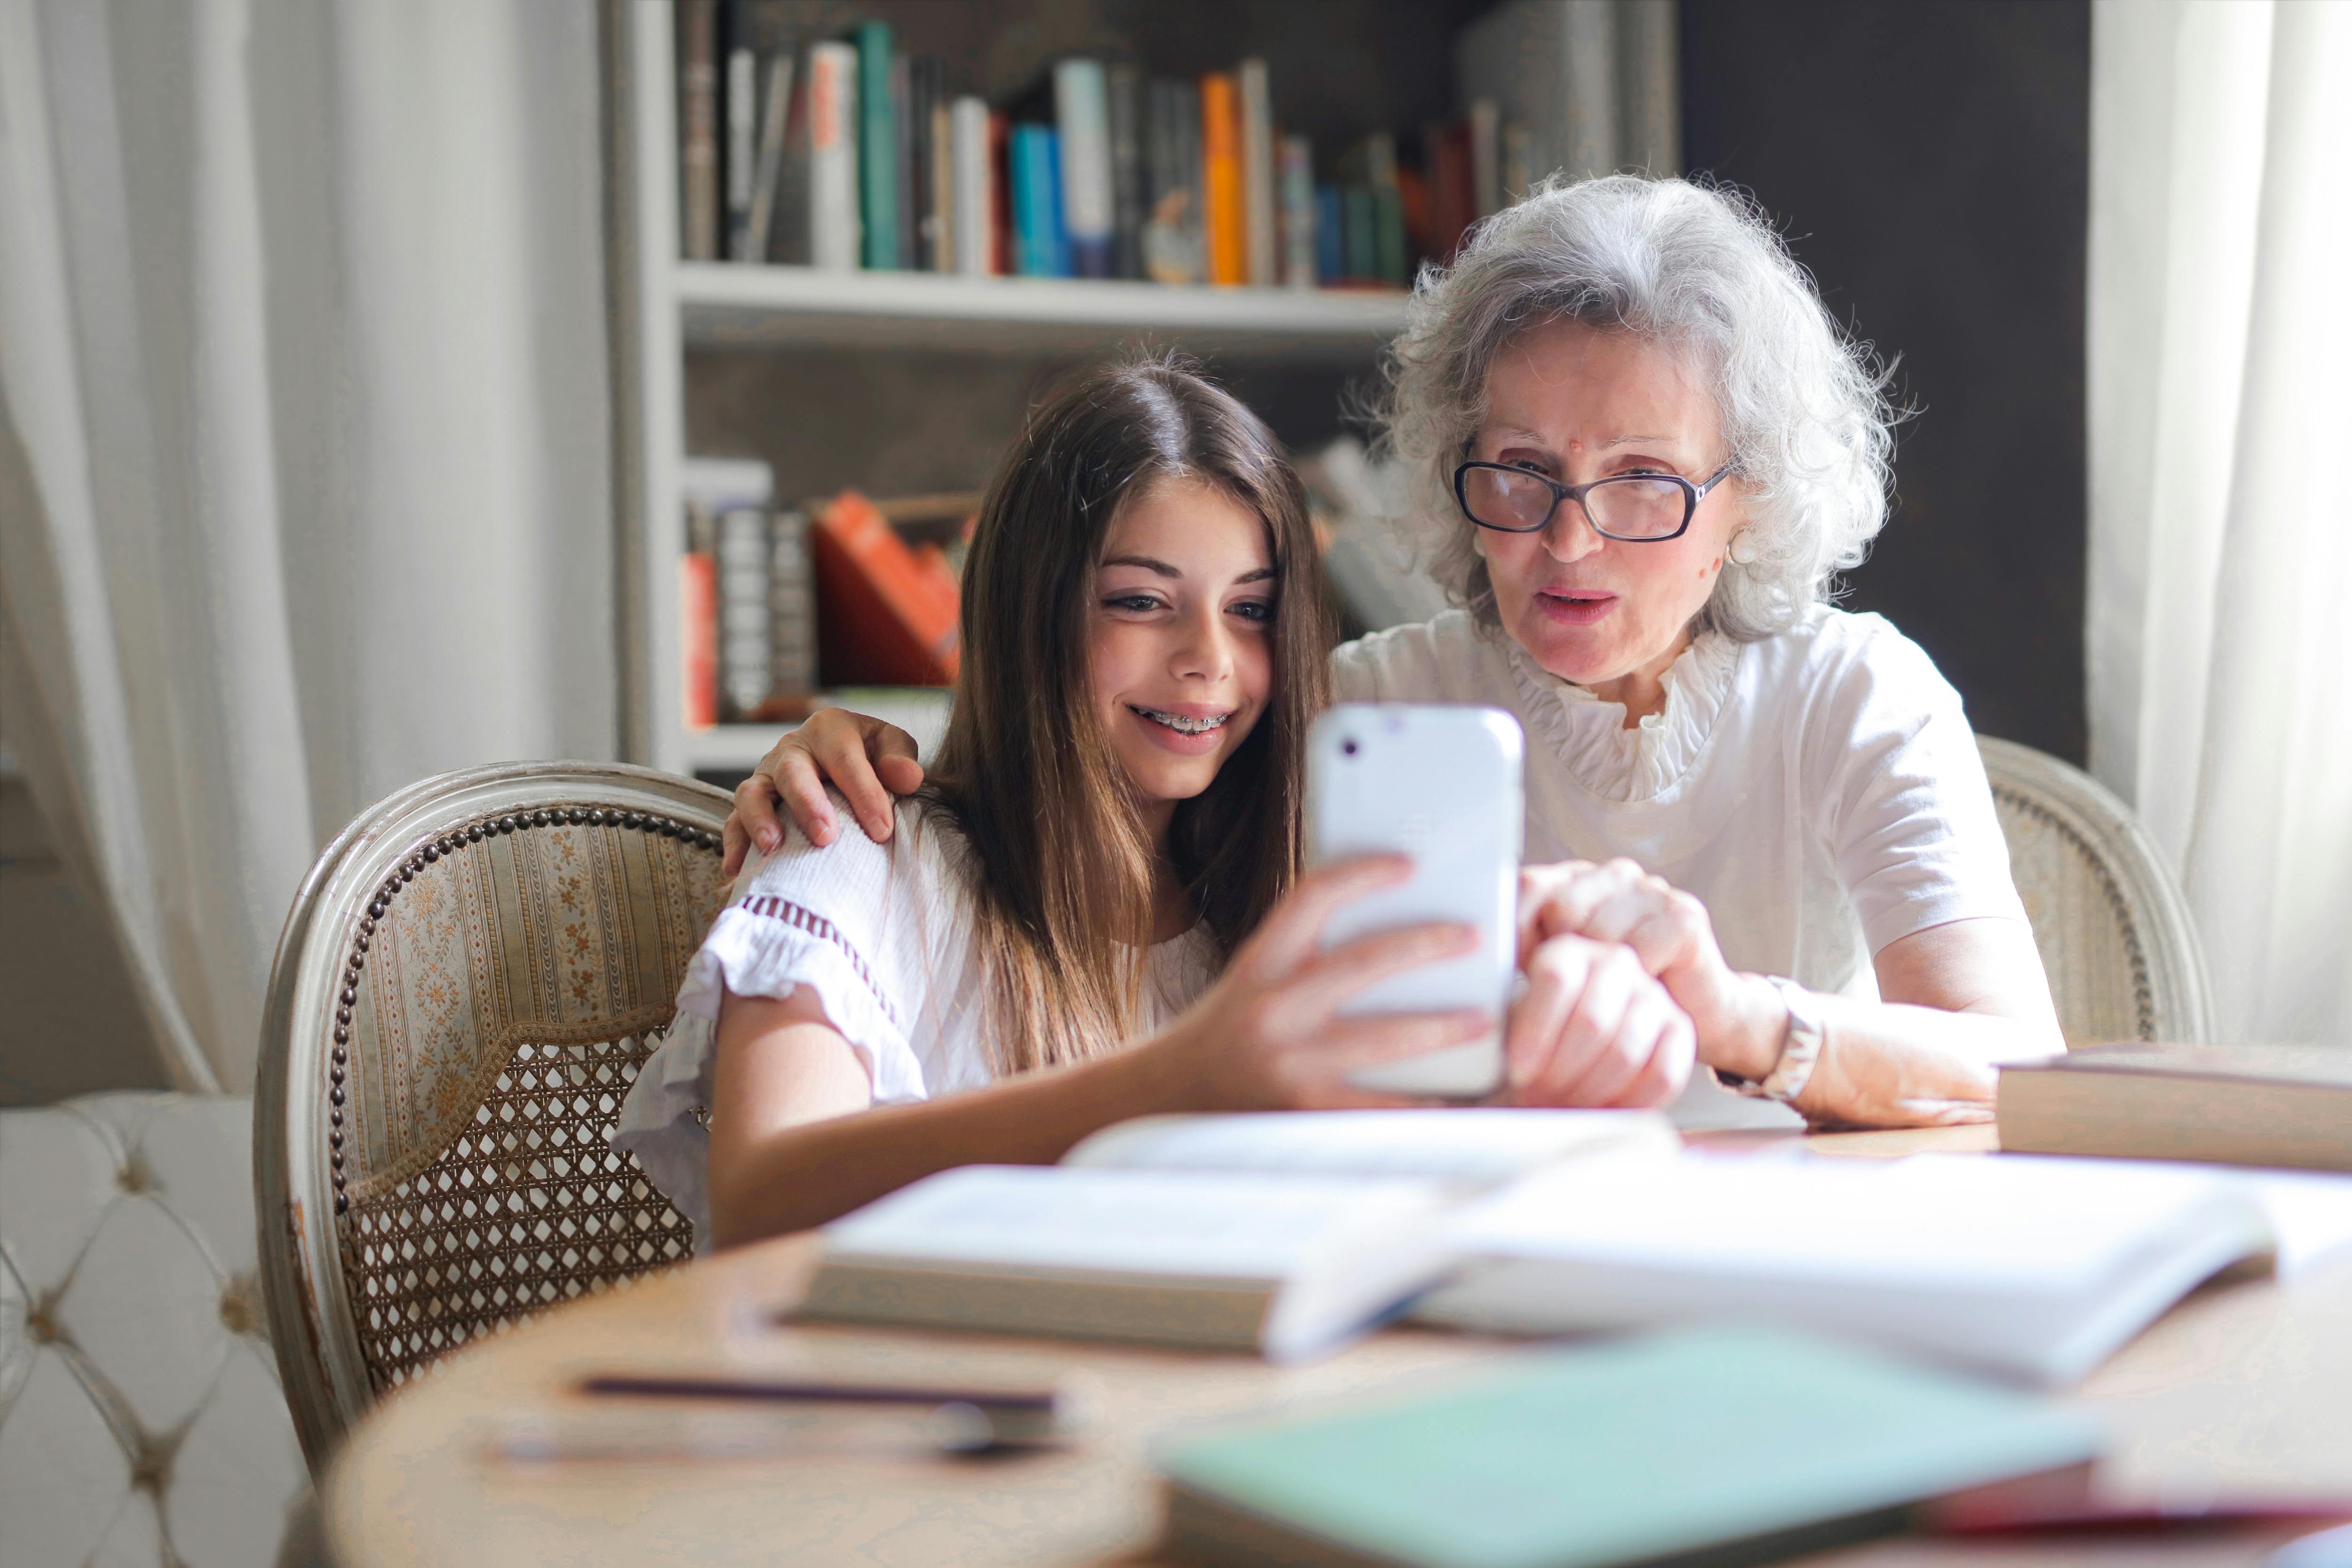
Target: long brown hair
<point>1061,863</point>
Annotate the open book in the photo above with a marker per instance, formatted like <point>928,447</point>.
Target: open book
<point>1282,1233</point>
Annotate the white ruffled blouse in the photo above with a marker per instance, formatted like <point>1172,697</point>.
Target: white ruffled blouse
<point>882,933</point>
<point>1819,791</point>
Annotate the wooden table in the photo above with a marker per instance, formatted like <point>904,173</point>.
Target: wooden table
<point>2243,1385</point>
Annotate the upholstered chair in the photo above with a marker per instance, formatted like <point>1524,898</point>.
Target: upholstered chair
<point>470,977</point>
<point>2114,933</point>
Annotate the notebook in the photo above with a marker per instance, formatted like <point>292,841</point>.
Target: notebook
<point>1279,1233</point>
<point>1718,1445</point>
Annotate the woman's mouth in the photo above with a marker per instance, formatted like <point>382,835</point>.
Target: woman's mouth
<point>1575,606</point>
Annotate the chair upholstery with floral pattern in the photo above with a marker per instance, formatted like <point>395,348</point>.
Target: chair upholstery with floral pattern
<point>2115,932</point>
<point>468,980</point>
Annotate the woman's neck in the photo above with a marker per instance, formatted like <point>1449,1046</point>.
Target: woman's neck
<point>1642,688</point>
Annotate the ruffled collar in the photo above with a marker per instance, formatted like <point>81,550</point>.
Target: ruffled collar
<point>1589,735</point>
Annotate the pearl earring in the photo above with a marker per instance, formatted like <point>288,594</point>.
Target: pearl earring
<point>1742,548</point>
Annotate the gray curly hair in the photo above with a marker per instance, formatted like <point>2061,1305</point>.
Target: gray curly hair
<point>1702,272</point>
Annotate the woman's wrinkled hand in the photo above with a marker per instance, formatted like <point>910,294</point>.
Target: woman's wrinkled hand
<point>1594,1028</point>
<point>867,760</point>
<point>1268,1035</point>
<point>1737,1019</point>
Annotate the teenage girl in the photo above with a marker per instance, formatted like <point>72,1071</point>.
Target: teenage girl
<point>1092,909</point>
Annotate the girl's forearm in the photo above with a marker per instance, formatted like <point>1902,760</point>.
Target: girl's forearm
<point>808,1174</point>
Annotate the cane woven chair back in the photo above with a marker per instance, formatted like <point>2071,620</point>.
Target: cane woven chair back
<point>2115,938</point>
<point>467,984</point>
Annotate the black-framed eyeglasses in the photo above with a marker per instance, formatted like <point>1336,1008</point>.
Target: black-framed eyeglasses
<point>1643,508</point>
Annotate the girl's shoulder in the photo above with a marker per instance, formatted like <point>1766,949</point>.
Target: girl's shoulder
<point>923,865</point>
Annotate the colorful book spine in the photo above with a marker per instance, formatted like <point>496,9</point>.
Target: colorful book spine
<point>1123,88</point>
<point>887,614</point>
<point>697,639</point>
<point>1298,213</point>
<point>1363,246</point>
<point>1171,250</point>
<point>906,174</point>
<point>1041,249</point>
<point>939,162</point>
<point>792,607</point>
<point>744,652</point>
<point>1220,180</point>
<point>1082,143</point>
<point>975,188</point>
<point>1330,234</point>
<point>877,148</point>
<point>742,114</point>
<point>836,225</point>
<point>1260,197</point>
<point>698,130</point>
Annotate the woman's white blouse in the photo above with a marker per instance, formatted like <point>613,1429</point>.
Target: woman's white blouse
<point>1819,791</point>
<point>882,934</point>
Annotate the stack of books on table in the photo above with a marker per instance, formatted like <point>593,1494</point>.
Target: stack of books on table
<point>848,152</point>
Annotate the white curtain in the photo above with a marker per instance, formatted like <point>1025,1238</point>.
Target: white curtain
<point>304,485</point>
<point>2220,629</point>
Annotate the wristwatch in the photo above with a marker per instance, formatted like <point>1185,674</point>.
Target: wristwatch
<point>1801,1047</point>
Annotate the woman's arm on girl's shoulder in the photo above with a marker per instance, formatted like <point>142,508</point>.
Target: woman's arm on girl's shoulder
<point>864,758</point>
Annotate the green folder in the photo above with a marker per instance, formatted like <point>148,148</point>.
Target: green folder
<point>1718,1446</point>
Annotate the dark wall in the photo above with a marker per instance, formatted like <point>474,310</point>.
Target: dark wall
<point>1928,161</point>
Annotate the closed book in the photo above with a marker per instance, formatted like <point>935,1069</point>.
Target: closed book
<point>1447,160</point>
<point>1040,248</point>
<point>1082,144</point>
<point>1261,203</point>
<point>1388,207</point>
<point>885,615</point>
<point>1283,1234</point>
<point>1123,93</point>
<point>698,130</point>
<point>1226,218</point>
<point>1171,230</point>
<point>2241,1105</point>
<point>741,159</point>
<point>697,639</point>
<point>1298,213</point>
<point>745,652</point>
<point>938,167</point>
<point>1714,1446</point>
<point>835,225</point>
<point>792,607</point>
<point>1330,234</point>
<point>974,226</point>
<point>1362,225</point>
<point>1003,227</point>
<point>878,149</point>
<point>903,112</point>
<point>768,179</point>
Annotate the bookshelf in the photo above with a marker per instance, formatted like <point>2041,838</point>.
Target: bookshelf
<point>662,308</point>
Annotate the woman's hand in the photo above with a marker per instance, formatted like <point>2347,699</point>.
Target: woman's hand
<point>1594,1029</point>
<point>868,761</point>
<point>1267,1036</point>
<point>1739,1020</point>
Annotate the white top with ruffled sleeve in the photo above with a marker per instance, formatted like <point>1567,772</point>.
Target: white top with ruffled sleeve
<point>882,933</point>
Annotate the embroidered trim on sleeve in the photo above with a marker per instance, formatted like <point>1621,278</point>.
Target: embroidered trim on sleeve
<point>770,907</point>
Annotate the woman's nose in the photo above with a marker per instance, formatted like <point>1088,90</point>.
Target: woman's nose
<point>1570,535</point>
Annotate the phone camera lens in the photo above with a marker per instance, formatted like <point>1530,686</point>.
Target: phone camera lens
<point>1348,748</point>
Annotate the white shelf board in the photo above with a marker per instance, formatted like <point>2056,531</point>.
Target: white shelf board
<point>922,711</point>
<point>732,305</point>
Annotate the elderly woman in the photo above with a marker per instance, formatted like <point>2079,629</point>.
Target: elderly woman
<point>1643,449</point>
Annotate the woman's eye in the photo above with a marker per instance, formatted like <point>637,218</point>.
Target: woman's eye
<point>1256,610</point>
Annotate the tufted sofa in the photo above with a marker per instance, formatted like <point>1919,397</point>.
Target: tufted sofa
<point>140,1418</point>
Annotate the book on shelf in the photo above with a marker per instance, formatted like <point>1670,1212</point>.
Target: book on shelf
<point>905,173</point>
<point>885,611</point>
<point>698,130</point>
<point>1225,217</point>
<point>1298,233</point>
<point>745,652</point>
<point>1123,95</point>
<point>1330,236</point>
<point>1082,143</point>
<point>1172,241</point>
<point>936,223</point>
<point>770,181</point>
<point>1713,1445</point>
<point>791,613</point>
<point>2245,1105</point>
<point>724,635</point>
<point>974,227</point>
<point>1283,1233</point>
<point>1260,202</point>
<point>835,234</point>
<point>877,154</point>
<point>1034,177</point>
<point>740,150</point>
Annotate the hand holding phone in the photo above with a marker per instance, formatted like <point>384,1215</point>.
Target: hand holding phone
<point>1439,784</point>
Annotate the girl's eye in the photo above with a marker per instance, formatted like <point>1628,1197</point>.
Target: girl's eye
<point>1135,603</point>
<point>1256,610</point>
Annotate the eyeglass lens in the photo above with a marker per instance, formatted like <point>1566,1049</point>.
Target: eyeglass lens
<point>1635,507</point>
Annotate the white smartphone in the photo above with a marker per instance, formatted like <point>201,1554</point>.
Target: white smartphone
<point>1441,784</point>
